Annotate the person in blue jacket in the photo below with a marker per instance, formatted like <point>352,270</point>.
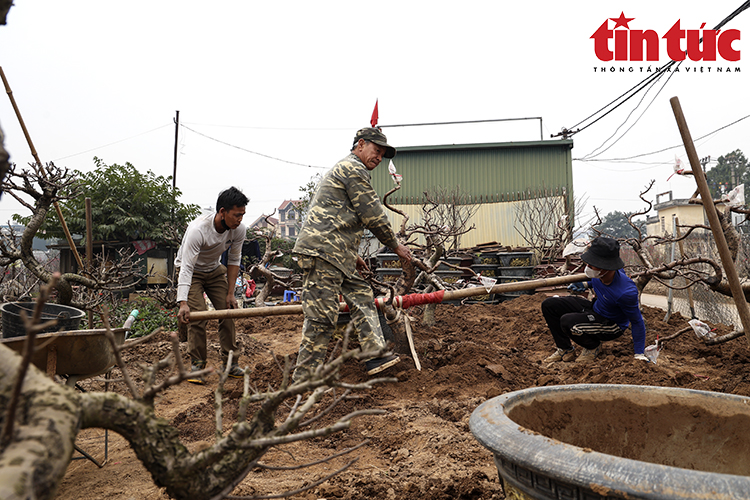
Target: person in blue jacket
<point>574,319</point>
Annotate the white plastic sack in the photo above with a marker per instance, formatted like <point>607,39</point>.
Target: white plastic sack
<point>487,282</point>
<point>652,352</point>
<point>397,178</point>
<point>576,246</point>
<point>702,330</point>
<point>678,168</point>
<point>735,197</point>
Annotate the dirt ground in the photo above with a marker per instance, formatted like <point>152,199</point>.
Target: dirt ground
<point>422,448</point>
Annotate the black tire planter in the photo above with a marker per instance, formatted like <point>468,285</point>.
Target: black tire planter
<point>68,318</point>
<point>679,443</point>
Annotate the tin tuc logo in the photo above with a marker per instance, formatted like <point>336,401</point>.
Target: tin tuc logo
<point>632,44</point>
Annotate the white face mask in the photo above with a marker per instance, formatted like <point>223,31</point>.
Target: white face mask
<point>591,273</point>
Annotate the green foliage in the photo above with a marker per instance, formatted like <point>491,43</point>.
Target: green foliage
<point>615,224</point>
<point>151,315</point>
<point>126,205</point>
<point>308,192</point>
<point>731,170</point>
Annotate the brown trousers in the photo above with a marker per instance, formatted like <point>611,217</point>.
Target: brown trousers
<point>215,285</point>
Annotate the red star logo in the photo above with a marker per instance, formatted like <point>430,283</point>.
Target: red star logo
<point>621,21</point>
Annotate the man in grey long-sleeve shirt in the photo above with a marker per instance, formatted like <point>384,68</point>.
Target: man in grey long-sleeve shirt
<point>198,259</point>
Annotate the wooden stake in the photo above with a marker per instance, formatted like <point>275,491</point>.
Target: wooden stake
<point>41,169</point>
<point>407,327</point>
<point>89,252</point>
<point>713,219</point>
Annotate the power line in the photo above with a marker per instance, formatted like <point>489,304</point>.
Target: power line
<point>648,81</point>
<point>592,155</point>
<point>112,143</point>
<point>650,167</point>
<point>283,129</point>
<point>665,149</point>
<point>249,151</point>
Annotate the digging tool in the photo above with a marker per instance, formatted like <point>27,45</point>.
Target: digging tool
<point>401,301</point>
<point>410,338</point>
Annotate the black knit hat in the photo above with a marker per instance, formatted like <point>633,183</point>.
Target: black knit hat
<point>604,253</point>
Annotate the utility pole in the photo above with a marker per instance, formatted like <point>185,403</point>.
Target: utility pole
<point>705,161</point>
<point>170,264</point>
<point>176,135</point>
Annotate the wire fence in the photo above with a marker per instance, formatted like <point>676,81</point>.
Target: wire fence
<point>710,305</point>
<point>17,282</point>
<point>698,300</point>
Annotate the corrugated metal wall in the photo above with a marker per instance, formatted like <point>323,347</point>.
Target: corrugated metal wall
<point>493,222</point>
<point>494,175</point>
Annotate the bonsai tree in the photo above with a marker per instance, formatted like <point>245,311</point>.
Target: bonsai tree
<point>41,419</point>
<point>125,204</point>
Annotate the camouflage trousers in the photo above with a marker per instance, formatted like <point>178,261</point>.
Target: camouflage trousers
<point>322,284</point>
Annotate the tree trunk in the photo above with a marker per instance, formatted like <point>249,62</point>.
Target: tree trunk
<point>64,292</point>
<point>45,427</point>
<point>157,445</point>
<point>50,414</point>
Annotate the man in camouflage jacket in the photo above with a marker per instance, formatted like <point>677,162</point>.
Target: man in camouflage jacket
<point>343,206</point>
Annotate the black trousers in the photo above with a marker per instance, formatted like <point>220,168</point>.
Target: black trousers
<point>572,318</point>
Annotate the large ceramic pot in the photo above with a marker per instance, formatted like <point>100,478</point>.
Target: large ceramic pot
<point>618,442</point>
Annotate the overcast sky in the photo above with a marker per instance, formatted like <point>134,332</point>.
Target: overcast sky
<point>292,81</point>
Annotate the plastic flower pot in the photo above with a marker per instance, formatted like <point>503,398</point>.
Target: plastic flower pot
<point>515,259</point>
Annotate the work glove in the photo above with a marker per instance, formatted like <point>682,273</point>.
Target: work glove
<point>642,357</point>
<point>578,287</point>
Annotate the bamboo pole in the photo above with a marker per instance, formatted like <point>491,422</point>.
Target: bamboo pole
<point>713,219</point>
<point>251,312</point>
<point>89,252</point>
<point>41,169</point>
<point>449,295</point>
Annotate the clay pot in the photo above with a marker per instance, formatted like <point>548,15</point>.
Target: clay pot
<point>617,441</point>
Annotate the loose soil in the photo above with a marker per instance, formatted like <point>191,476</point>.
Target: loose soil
<point>422,447</point>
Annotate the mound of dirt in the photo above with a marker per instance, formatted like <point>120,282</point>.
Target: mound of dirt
<point>422,446</point>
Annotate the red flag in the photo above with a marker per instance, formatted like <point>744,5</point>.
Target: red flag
<point>374,118</point>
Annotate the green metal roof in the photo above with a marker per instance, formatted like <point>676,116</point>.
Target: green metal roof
<point>565,143</point>
<point>488,172</point>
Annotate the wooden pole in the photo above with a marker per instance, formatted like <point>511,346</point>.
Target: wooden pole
<point>713,219</point>
<point>41,168</point>
<point>170,264</point>
<point>176,136</point>
<point>517,286</point>
<point>449,295</point>
<point>89,252</point>
<point>251,312</point>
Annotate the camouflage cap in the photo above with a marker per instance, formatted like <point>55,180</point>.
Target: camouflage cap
<point>378,137</point>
